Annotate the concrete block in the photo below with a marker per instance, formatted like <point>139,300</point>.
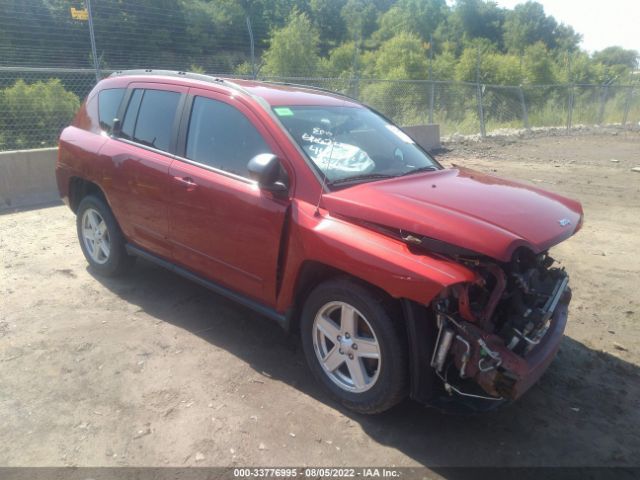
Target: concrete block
<point>427,136</point>
<point>27,178</point>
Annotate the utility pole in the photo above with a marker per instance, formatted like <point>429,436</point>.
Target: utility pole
<point>94,53</point>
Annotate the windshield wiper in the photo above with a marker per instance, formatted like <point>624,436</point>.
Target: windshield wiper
<point>430,168</point>
<point>357,178</point>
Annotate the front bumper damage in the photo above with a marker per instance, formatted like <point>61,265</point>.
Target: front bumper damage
<point>466,355</point>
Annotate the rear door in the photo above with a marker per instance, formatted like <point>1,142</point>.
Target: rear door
<point>142,153</point>
<point>221,224</point>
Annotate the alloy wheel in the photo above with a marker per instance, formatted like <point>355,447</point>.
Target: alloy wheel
<point>95,236</point>
<point>346,347</point>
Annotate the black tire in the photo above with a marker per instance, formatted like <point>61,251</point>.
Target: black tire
<point>385,321</point>
<point>118,261</point>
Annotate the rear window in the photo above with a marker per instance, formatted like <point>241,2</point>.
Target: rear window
<point>108,104</point>
<point>150,116</point>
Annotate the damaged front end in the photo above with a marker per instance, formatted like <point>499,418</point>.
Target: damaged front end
<point>502,331</point>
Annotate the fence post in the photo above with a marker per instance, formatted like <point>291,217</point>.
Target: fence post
<point>432,86</point>
<point>483,132</point>
<point>252,48</point>
<point>570,107</point>
<point>603,99</point>
<point>92,37</point>
<point>356,65</point>
<point>627,105</point>
<point>525,114</point>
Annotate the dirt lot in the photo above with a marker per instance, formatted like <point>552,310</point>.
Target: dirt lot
<point>154,370</point>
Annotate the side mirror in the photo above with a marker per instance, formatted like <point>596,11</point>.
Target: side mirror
<point>266,170</point>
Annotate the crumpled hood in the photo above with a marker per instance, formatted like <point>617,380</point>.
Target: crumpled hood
<point>469,209</point>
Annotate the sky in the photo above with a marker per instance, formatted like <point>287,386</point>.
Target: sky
<point>602,23</point>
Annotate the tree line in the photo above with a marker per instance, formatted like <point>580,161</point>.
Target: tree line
<point>349,41</point>
<point>469,40</point>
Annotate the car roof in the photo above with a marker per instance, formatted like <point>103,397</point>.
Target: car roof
<point>274,93</point>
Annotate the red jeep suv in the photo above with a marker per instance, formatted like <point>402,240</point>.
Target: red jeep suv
<point>401,276</point>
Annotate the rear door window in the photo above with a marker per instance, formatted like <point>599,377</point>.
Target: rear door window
<point>150,117</point>
<point>108,104</point>
<point>222,137</point>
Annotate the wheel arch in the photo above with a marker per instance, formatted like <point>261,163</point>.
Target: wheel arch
<point>79,188</point>
<point>311,274</point>
<point>416,322</point>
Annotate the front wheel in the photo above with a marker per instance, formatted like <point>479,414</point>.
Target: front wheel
<point>354,346</point>
<point>100,238</point>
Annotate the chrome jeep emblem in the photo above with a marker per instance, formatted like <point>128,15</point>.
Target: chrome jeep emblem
<point>564,222</point>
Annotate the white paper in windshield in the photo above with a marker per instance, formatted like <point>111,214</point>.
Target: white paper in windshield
<point>342,160</point>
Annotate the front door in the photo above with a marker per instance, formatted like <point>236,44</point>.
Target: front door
<point>221,224</point>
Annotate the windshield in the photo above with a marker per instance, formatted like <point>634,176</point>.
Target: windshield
<point>352,144</point>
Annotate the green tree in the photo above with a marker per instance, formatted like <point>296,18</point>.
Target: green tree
<point>527,24</point>
<point>360,17</point>
<point>614,56</point>
<point>420,17</point>
<point>342,61</point>
<point>293,49</point>
<point>33,115</point>
<point>473,19</point>
<point>401,57</point>
<point>325,16</point>
<point>494,68</point>
<point>538,65</point>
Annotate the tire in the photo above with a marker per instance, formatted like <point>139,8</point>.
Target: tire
<point>352,374</point>
<point>106,251</point>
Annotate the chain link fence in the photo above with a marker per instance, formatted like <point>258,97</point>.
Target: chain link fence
<point>37,103</point>
<point>74,42</point>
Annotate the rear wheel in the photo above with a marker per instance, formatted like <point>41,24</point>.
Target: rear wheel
<point>353,346</point>
<point>100,238</point>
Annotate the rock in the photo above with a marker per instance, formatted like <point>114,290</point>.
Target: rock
<point>292,434</point>
<point>262,446</point>
<point>142,432</point>
<point>636,169</point>
<point>618,346</point>
<point>199,456</point>
<point>614,160</point>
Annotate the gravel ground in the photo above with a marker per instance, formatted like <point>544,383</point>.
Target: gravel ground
<point>151,370</point>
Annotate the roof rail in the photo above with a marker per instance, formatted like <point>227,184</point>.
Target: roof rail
<point>311,87</point>
<point>224,81</point>
<point>180,74</point>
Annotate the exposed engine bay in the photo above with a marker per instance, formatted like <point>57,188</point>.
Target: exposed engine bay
<point>489,330</point>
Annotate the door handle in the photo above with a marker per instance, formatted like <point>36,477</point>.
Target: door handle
<point>187,182</point>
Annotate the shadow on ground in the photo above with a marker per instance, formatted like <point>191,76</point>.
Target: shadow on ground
<point>584,411</point>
